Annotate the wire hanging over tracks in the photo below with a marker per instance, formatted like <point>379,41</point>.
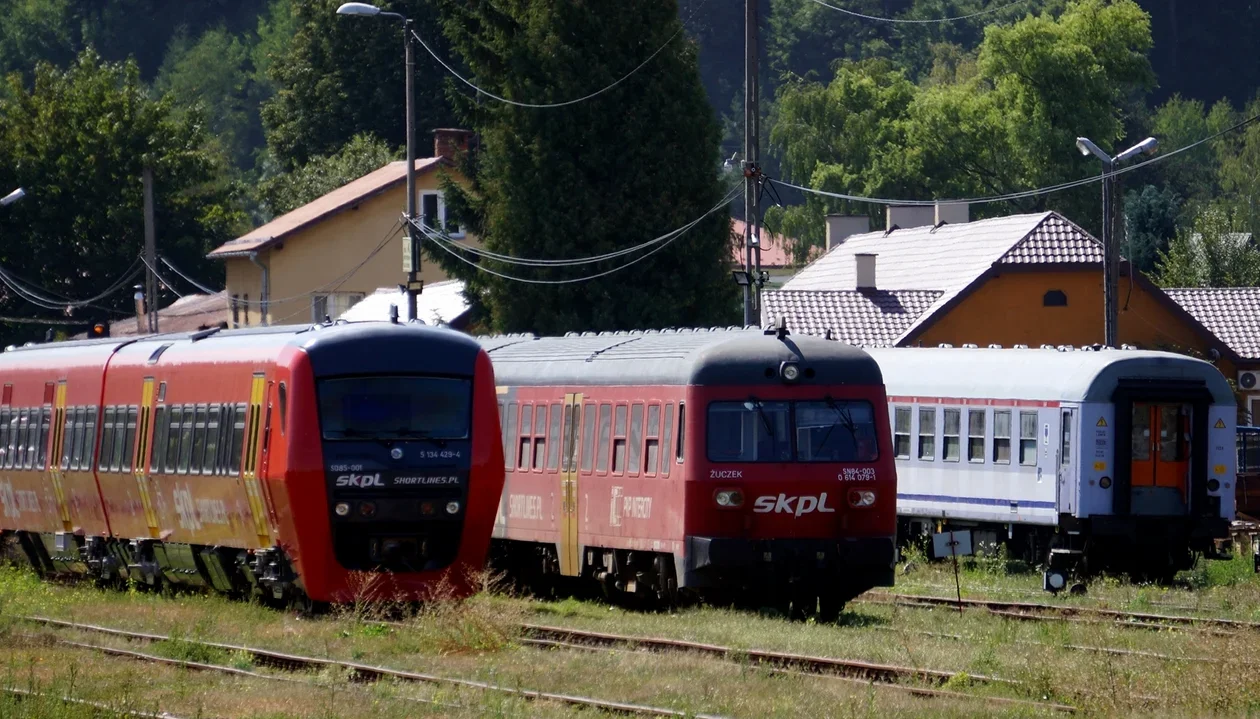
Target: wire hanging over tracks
<point>920,21</point>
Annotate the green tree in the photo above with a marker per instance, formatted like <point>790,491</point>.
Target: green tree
<point>323,174</point>
<point>345,75</point>
<point>1150,216</point>
<point>78,141</point>
<point>596,176</point>
<point>1215,251</point>
<point>213,75</point>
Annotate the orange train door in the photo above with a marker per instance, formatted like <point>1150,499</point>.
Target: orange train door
<point>141,465</point>
<point>570,551</point>
<point>1161,445</point>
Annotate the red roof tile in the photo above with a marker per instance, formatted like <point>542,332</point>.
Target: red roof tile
<point>1055,241</point>
<point>339,199</point>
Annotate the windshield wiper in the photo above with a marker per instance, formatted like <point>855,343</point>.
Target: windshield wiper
<point>409,433</point>
<point>841,416</point>
<point>756,403</point>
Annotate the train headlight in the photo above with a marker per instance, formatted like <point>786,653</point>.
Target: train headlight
<point>342,509</point>
<point>1213,485</point>
<point>1105,482</point>
<point>789,371</point>
<point>452,507</point>
<point>729,498</point>
<point>861,497</point>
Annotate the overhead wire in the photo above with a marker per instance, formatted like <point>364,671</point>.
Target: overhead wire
<point>26,290</point>
<point>920,21</point>
<point>453,249</point>
<point>160,278</point>
<point>187,279</point>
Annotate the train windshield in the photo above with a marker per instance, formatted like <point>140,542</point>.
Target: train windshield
<point>395,408</point>
<point>762,431</point>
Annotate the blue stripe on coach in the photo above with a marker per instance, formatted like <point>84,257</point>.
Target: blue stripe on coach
<point>974,500</point>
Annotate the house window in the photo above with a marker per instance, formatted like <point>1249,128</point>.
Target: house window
<point>333,305</point>
<point>927,434</point>
<point>901,433</point>
<point>320,308</point>
<point>1054,298</point>
<point>433,214</point>
<point>1002,437</point>
<point>1028,438</point>
<point>975,435</point>
<point>236,310</point>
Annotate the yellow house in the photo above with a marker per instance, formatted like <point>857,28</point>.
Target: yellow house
<point>937,278</point>
<point>322,258</point>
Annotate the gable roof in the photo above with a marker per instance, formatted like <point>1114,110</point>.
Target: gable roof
<point>1230,313</point>
<point>853,316</point>
<point>334,202</point>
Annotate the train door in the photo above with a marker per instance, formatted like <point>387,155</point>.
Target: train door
<point>141,465</point>
<point>570,551</point>
<point>1068,451</point>
<point>1161,447</point>
<point>253,490</point>
<point>55,465</point>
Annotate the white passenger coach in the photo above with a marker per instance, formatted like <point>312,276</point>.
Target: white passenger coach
<point>1081,459</point>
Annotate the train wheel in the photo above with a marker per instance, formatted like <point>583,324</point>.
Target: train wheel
<point>830,605</point>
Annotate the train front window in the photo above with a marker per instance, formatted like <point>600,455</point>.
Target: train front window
<point>749,431</point>
<point>836,431</point>
<point>395,408</point>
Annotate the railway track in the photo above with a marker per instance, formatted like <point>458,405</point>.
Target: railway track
<point>1050,612</point>
<point>354,670</point>
<point>105,709</point>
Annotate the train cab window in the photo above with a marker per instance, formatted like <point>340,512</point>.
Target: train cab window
<point>238,440</point>
<point>1002,436</point>
<point>975,435</point>
<point>588,437</point>
<point>44,427</point>
<point>927,434</point>
<point>199,441</point>
<point>129,441</point>
<point>554,437</point>
<point>619,440</point>
<point>4,436</point>
<point>1028,439</point>
<point>509,436</point>
<point>901,432</point>
<point>172,439</point>
<point>213,427</point>
<point>749,431</point>
<point>636,438</point>
<point>666,438</point>
<point>157,450</point>
<point>540,436</point>
<point>652,449</point>
<point>682,431</point>
<point>527,425</point>
<point>951,448</point>
<point>107,440</point>
<point>837,431</point>
<point>605,433</point>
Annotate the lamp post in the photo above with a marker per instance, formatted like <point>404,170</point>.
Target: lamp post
<point>12,197</point>
<point>412,266</point>
<point>1111,258</point>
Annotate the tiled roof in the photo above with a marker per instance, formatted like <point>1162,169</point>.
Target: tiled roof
<point>776,250</point>
<point>339,199</point>
<point>853,316</point>
<point>1055,241</point>
<point>1230,313</point>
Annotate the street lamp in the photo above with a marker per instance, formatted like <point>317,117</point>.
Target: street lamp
<point>12,197</point>
<point>1111,259</point>
<point>414,285</point>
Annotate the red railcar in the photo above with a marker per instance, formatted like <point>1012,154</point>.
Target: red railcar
<point>328,463</point>
<point>721,462</point>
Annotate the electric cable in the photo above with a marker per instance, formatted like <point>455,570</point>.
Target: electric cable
<point>160,278</point>
<point>188,279</point>
<point>927,21</point>
<point>27,291</point>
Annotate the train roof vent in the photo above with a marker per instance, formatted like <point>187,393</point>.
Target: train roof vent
<point>570,334</point>
<point>1128,347</point>
<point>1047,347</point>
<point>945,346</point>
<point>970,346</point>
<point>995,346</point>
<point>1018,347</point>
<point>157,353</point>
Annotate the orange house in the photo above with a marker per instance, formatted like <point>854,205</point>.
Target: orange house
<point>1020,280</point>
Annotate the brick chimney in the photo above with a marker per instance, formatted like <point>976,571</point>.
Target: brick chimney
<point>842,227</point>
<point>449,142</point>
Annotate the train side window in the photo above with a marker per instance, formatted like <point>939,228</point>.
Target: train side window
<point>951,449</point>
<point>652,450</point>
<point>89,428</point>
<point>554,439</point>
<point>927,434</point>
<point>1028,438</point>
<point>45,427</point>
<point>1065,458</point>
<point>32,450</point>
<point>80,425</point>
<point>619,439</point>
<point>636,438</point>
<point>4,436</point>
<point>901,432</point>
<point>157,447</point>
<point>238,440</point>
<point>975,435</point>
<point>67,437</point>
<point>199,441</point>
<point>540,436</point>
<point>682,430</point>
<point>107,440</point>
<point>129,442</point>
<point>666,438</point>
<point>23,433</point>
<point>1002,436</point>
<point>605,432</point>
<point>213,425</point>
<point>11,438</point>
<point>186,438</point>
<point>120,437</point>
<point>527,422</point>
<point>176,422</point>
<point>588,437</point>
<point>509,437</point>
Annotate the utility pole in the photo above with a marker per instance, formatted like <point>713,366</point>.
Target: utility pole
<point>412,265</point>
<point>150,254</point>
<point>752,165</point>
<point>1111,259</point>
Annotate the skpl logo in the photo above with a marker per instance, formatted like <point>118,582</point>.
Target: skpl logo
<point>360,480</point>
<point>783,504</point>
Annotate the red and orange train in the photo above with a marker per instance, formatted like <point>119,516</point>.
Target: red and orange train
<point>731,463</point>
<point>292,463</point>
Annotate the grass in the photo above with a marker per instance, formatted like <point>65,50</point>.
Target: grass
<point>478,638</point>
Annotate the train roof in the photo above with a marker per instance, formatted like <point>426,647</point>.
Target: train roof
<point>1037,374</point>
<point>731,356</point>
